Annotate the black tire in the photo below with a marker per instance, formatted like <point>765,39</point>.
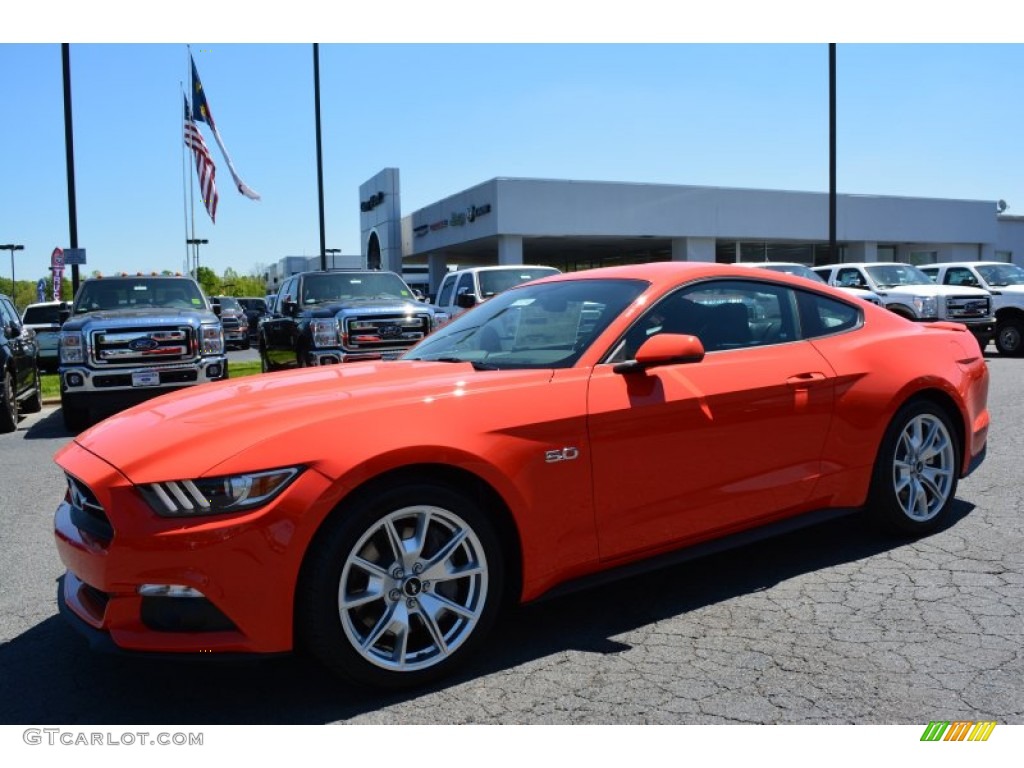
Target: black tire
<point>1010,337</point>
<point>75,419</point>
<point>917,470</point>
<point>264,365</point>
<point>8,404</point>
<point>34,404</point>
<point>406,621</point>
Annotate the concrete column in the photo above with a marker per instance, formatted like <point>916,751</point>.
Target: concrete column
<point>863,251</point>
<point>987,252</point>
<point>693,249</point>
<point>437,267</point>
<point>510,249</point>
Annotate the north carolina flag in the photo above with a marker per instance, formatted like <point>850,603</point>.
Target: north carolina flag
<point>203,114</point>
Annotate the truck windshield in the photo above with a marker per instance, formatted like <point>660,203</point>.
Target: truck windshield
<point>138,293</point>
<point>322,289</point>
<point>891,275</point>
<point>494,281</point>
<point>1002,274</point>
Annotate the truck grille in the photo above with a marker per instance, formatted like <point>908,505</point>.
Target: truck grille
<point>967,307</point>
<point>367,334</point>
<point>143,345</point>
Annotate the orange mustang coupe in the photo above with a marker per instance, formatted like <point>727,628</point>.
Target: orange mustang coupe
<point>379,514</point>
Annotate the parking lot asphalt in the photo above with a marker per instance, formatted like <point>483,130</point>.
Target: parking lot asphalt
<point>833,624</point>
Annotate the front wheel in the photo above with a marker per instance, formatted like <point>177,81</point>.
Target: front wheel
<point>916,471</point>
<point>34,404</point>
<point>399,589</point>
<point>1010,337</point>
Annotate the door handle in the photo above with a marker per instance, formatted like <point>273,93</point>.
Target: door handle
<point>806,379</point>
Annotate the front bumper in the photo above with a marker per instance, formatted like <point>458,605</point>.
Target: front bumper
<point>241,569</point>
<point>83,385</point>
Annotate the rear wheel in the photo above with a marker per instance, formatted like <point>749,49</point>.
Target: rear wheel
<point>401,588</point>
<point>916,471</point>
<point>1010,337</point>
<point>8,404</point>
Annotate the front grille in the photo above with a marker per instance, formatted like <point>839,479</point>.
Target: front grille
<point>143,345</point>
<point>87,513</point>
<point>967,307</point>
<point>366,334</point>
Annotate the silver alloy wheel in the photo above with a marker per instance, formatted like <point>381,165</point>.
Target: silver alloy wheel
<point>413,588</point>
<point>923,470</point>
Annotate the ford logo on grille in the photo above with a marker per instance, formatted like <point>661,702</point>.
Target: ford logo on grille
<point>143,344</point>
<point>390,331</point>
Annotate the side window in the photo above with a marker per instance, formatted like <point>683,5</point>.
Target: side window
<point>960,276</point>
<point>287,294</point>
<point>823,315</point>
<point>933,274</point>
<point>465,284</point>
<point>445,294</point>
<point>850,278</point>
<point>7,315</point>
<point>723,314</point>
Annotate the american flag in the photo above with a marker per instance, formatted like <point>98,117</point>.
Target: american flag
<point>204,164</point>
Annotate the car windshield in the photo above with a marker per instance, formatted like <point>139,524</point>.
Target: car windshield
<point>226,302</point>
<point>42,314</point>
<point>322,289</point>
<point>533,326</point>
<point>495,281</point>
<point>141,293</point>
<point>794,269</point>
<point>1002,274</point>
<point>254,305</point>
<point>891,275</point>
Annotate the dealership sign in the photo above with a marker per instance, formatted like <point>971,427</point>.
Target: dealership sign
<point>457,219</point>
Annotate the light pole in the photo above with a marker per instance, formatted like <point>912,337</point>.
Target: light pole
<point>12,248</point>
<point>331,252</point>
<point>196,242</point>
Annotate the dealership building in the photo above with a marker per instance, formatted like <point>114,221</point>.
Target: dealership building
<point>575,225</point>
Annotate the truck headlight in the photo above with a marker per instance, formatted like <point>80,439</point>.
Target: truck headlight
<point>72,348</point>
<point>213,340</point>
<point>325,332</point>
<point>926,306</point>
<point>217,495</point>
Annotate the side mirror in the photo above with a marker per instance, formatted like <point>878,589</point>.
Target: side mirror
<point>664,349</point>
<point>466,300</point>
<point>216,309</point>
<point>289,307</point>
<point>63,313</point>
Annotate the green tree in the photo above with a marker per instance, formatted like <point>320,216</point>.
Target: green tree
<point>208,280</point>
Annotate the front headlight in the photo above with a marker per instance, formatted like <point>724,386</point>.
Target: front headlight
<point>72,348</point>
<point>925,306</point>
<point>213,340</point>
<point>217,495</point>
<point>325,332</point>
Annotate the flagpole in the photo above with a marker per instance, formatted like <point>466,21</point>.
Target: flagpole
<point>193,258</point>
<point>184,185</point>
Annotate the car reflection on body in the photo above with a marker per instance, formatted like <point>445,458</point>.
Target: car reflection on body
<point>378,515</point>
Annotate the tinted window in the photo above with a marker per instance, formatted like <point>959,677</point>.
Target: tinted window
<point>494,281</point>
<point>465,284</point>
<point>823,315</point>
<point>723,314</point>
<point>850,278</point>
<point>42,315</point>
<point>960,276</point>
<point>444,297</point>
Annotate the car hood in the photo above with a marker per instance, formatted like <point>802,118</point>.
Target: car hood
<point>194,432</point>
<point>931,289</point>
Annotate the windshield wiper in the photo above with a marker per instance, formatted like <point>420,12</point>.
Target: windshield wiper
<point>477,365</point>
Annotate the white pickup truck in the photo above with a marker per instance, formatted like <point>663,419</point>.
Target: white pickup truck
<point>465,288</point>
<point>1006,284</point>
<point>910,293</point>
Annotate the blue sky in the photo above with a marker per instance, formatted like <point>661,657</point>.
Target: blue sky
<point>916,119</point>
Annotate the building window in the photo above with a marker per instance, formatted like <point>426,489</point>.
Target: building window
<point>917,258</point>
<point>1004,256</point>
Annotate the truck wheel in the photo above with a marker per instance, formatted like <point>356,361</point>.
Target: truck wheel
<point>1009,337</point>
<point>916,470</point>
<point>8,405</point>
<point>401,587</point>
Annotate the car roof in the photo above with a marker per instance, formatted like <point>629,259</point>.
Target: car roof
<point>500,267</point>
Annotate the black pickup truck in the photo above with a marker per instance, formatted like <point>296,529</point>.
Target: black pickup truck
<point>340,316</point>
